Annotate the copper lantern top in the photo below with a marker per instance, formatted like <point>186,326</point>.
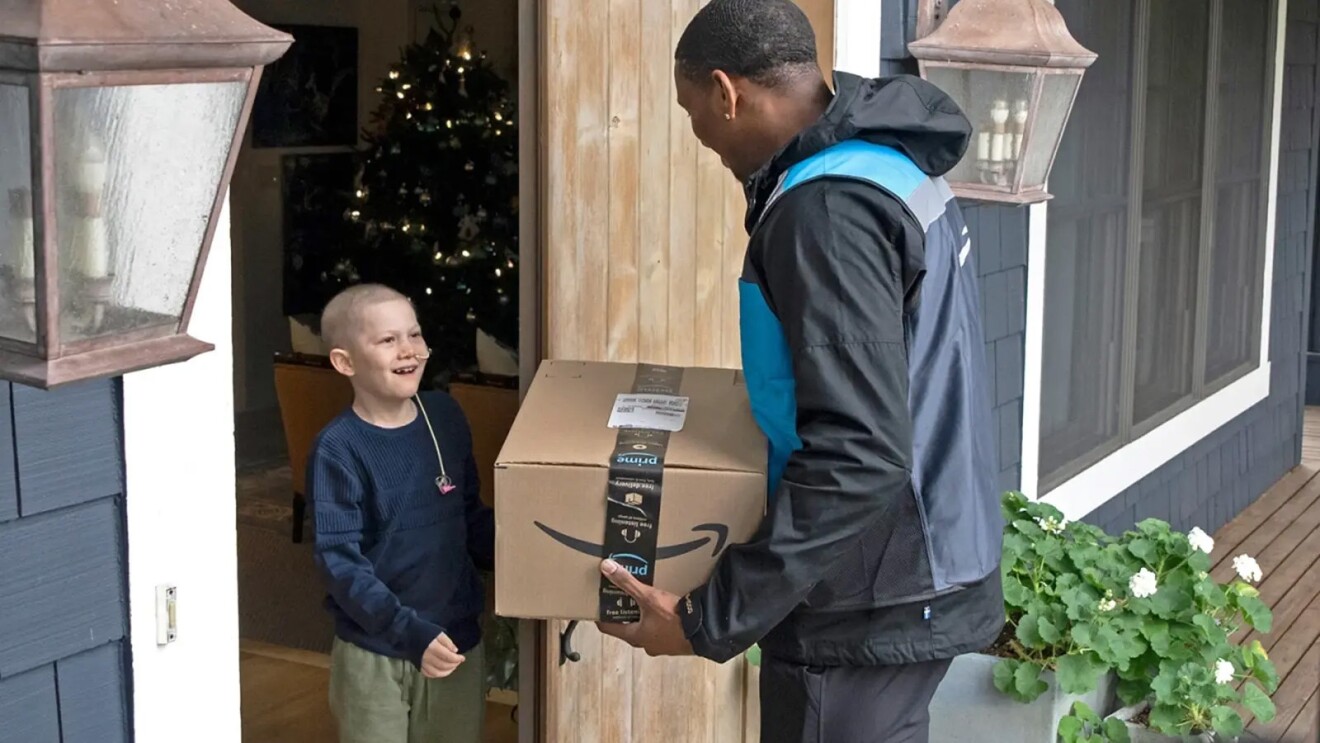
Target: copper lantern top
<point>1029,33</point>
<point>95,35</point>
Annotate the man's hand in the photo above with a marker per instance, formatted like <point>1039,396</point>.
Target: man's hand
<point>659,632</point>
<point>441,658</point>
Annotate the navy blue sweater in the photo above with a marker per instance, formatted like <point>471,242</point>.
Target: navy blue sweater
<point>398,557</point>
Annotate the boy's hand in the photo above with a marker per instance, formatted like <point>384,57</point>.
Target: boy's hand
<point>441,658</point>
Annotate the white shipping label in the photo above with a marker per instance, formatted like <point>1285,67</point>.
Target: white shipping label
<point>658,412</point>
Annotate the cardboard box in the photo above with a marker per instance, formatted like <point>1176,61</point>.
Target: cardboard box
<point>553,474</point>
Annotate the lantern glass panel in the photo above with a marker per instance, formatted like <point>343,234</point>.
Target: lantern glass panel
<point>136,168</point>
<point>996,102</point>
<point>1056,99</point>
<point>17,320</point>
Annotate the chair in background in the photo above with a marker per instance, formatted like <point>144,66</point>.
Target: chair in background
<point>310,393</point>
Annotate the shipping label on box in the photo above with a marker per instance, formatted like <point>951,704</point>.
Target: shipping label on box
<point>660,468</point>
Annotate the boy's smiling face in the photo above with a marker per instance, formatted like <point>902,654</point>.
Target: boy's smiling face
<point>383,350</point>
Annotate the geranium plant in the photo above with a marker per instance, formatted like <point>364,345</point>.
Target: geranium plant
<point>1192,673</point>
<point>1059,597</point>
<point>1142,606</point>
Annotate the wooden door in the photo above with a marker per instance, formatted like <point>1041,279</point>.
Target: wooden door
<point>640,242</point>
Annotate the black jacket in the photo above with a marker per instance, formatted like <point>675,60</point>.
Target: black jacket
<point>865,363</point>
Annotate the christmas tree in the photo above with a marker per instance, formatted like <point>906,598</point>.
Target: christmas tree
<point>435,207</point>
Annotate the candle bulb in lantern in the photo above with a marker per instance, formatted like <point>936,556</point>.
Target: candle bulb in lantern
<point>999,115</point>
<point>91,169</point>
<point>91,186</point>
<point>983,146</point>
<point>1019,127</point>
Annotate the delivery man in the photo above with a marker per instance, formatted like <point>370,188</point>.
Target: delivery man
<point>878,559</point>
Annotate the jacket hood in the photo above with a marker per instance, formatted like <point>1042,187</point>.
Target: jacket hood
<point>904,112</point>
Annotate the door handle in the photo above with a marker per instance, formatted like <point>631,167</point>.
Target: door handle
<point>566,651</point>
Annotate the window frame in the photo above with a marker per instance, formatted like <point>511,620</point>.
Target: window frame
<point>1140,447</point>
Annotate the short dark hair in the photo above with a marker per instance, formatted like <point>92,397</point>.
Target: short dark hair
<point>769,42</point>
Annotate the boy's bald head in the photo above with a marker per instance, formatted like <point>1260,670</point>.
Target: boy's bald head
<point>342,317</point>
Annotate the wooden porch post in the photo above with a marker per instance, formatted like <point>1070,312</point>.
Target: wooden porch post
<point>640,242</point>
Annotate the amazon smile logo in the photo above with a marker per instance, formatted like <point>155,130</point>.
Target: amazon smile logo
<point>720,534</point>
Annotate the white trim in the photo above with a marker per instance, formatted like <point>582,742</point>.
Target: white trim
<point>857,37</point>
<point>1272,203</point>
<point>1033,346</point>
<point>179,498</point>
<point>1124,468</point>
<point>1127,466</point>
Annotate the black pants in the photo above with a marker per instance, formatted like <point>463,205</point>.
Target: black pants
<point>877,704</point>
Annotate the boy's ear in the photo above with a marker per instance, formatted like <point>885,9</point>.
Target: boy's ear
<point>342,361</point>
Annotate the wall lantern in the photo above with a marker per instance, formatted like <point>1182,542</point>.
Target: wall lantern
<point>119,126</point>
<point>1014,69</point>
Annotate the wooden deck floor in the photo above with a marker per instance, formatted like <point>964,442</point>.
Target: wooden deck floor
<point>1282,531</point>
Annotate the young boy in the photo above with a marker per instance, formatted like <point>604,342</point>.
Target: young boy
<point>400,532</point>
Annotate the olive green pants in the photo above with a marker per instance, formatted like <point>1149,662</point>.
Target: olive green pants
<point>376,699</point>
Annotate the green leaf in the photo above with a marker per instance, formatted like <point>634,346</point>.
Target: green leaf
<point>1029,529</point>
<point>1048,632</point>
<point>1142,549</point>
<point>1077,674</point>
<point>1082,711</point>
<point>1133,690</point>
<point>1048,548</point>
<point>1028,632</point>
<point>1004,673</point>
<point>1263,671</point>
<point>1226,721</point>
<point>1118,648</point>
<point>1166,718</point>
<point>1012,502</point>
<point>1154,528</point>
<point>1257,613</point>
<point>1070,729</point>
<point>1080,602</point>
<point>1016,595</point>
<point>1170,600</point>
<point>1156,632</point>
<point>1016,545</point>
<point>1213,633</point>
<point>1257,703</point>
<point>1164,686</point>
<point>1115,731</point>
<point>1027,683</point>
<point>1066,581</point>
<point>1130,644</point>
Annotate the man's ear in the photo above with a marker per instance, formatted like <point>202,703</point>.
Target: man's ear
<point>342,361</point>
<point>728,94</point>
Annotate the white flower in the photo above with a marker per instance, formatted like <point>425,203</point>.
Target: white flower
<point>1223,672</point>
<point>1052,525</point>
<point>1143,584</point>
<point>1108,605</point>
<point>1247,567</point>
<point>1200,540</point>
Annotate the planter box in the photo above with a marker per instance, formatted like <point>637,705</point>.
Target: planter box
<point>1142,734</point>
<point>968,707</point>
